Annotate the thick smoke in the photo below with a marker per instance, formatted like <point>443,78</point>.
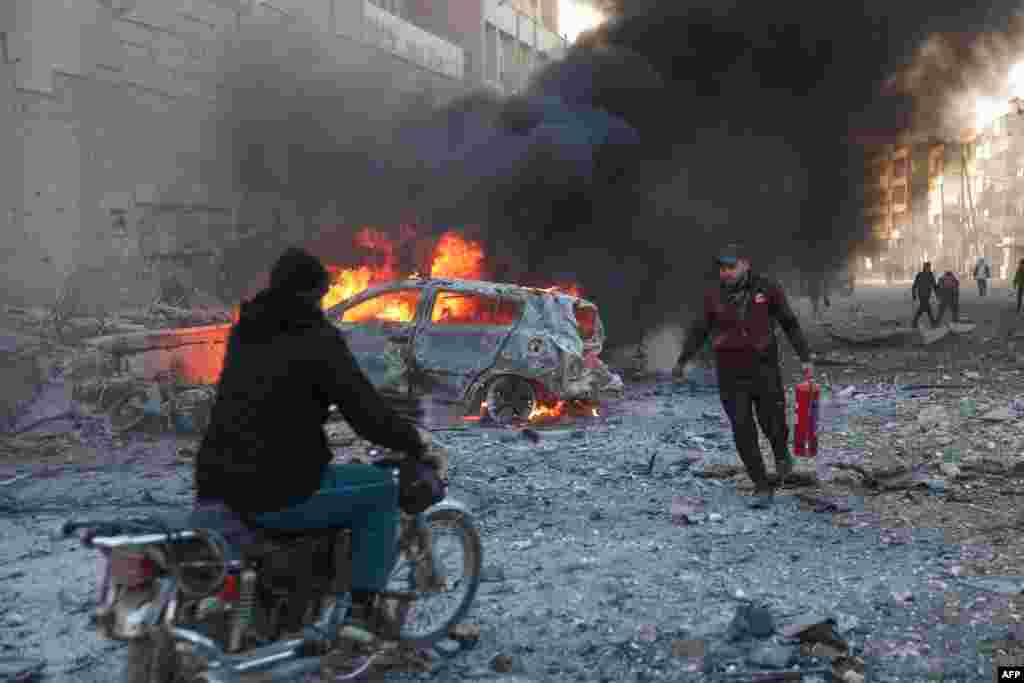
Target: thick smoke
<point>950,72</point>
<point>674,128</point>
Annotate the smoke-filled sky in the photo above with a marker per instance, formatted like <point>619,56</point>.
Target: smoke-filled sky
<point>668,131</point>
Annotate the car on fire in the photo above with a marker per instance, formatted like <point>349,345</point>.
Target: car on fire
<point>482,346</point>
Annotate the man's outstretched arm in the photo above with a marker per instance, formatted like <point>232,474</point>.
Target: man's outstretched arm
<point>361,405</point>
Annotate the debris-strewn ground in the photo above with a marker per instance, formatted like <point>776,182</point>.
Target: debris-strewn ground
<point>599,568</point>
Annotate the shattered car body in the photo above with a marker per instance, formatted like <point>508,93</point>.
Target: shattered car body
<point>509,347</point>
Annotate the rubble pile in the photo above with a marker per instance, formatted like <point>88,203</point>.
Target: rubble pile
<point>71,327</point>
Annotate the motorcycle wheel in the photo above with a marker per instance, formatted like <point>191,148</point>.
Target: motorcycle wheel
<point>432,614</point>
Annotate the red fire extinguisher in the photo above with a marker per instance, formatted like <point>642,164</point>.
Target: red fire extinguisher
<point>806,432</point>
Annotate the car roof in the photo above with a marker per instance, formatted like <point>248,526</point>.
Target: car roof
<point>462,285</point>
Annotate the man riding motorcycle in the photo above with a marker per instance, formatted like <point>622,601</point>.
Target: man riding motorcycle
<point>265,454</point>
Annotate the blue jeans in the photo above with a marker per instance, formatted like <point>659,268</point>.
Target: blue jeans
<point>363,498</point>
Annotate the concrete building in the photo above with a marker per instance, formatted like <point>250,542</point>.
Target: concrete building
<point>103,111</point>
<point>504,41</point>
<point>921,204</point>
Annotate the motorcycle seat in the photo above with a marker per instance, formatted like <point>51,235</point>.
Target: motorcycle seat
<point>245,537</point>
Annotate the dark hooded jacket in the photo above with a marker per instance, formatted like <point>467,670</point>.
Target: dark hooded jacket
<point>265,449</point>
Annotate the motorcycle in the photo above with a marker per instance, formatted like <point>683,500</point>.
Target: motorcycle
<point>208,598</point>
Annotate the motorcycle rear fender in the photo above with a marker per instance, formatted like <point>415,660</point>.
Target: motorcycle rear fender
<point>449,505</point>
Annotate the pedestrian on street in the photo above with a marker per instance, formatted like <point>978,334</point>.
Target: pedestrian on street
<point>740,315</point>
<point>921,290</point>
<point>949,296</point>
<point>982,272</point>
<point>1018,283</point>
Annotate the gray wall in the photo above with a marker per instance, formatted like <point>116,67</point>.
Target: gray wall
<point>105,125</point>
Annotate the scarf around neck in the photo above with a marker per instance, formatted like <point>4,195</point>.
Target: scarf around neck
<point>738,293</point>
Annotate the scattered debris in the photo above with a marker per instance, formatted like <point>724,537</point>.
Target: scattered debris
<point>687,510</point>
<point>751,621</point>
<point>502,664</point>
<point>688,648</point>
<point>465,633</point>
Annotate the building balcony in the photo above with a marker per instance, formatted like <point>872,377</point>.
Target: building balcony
<point>410,42</point>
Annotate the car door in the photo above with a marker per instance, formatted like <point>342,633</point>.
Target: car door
<point>379,331</point>
<point>460,338</point>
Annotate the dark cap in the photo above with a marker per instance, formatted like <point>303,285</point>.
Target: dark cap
<point>730,254</point>
<point>298,271</point>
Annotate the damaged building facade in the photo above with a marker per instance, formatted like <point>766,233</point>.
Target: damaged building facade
<point>947,201</point>
<point>105,119</point>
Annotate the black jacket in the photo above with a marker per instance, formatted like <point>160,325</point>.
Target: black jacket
<point>924,285</point>
<point>285,365</point>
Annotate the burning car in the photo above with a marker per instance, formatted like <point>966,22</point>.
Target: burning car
<point>508,351</point>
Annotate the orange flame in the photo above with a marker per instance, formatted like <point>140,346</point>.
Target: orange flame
<point>454,256</point>
<point>347,282</point>
<point>573,408</point>
<point>457,257</point>
<point>541,412</point>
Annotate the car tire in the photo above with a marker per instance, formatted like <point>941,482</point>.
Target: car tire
<point>510,399</point>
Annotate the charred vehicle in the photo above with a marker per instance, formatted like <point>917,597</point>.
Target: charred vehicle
<point>504,348</point>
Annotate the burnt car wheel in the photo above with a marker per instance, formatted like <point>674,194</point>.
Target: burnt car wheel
<point>510,399</point>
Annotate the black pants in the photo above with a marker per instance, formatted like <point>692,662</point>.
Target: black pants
<point>953,304</point>
<point>924,305</point>
<point>1020,295</point>
<point>982,287</point>
<point>759,391</point>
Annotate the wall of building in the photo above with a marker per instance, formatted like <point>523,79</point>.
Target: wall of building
<point>106,120</point>
<point>516,43</point>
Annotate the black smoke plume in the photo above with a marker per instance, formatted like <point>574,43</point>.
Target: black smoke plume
<point>673,129</point>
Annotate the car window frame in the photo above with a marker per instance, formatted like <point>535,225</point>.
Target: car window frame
<point>363,297</point>
<point>428,313</point>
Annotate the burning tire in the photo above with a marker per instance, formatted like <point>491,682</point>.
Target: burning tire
<point>510,399</point>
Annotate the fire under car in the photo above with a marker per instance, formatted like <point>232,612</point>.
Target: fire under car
<point>500,350</point>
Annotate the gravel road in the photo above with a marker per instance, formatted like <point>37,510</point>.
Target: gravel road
<point>588,574</point>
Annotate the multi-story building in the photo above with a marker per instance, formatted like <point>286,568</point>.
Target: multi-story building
<point>923,202</point>
<point>504,41</point>
<point>104,106</point>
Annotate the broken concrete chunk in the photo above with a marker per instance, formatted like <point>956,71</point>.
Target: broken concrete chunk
<point>502,664</point>
<point>929,337</point>
<point>933,415</point>
<point>688,648</point>
<point>773,656</point>
<point>751,621</point>
<point>1000,415</point>
<point>465,632</point>
<point>809,627</point>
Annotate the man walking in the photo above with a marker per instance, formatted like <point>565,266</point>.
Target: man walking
<point>1018,283</point>
<point>740,315</point>
<point>949,296</point>
<point>921,290</point>
<point>982,273</point>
